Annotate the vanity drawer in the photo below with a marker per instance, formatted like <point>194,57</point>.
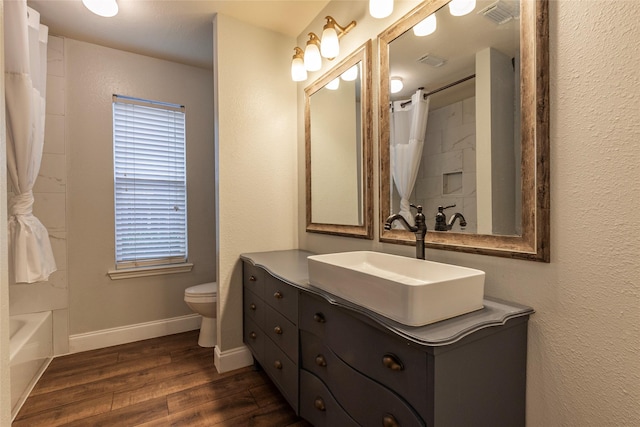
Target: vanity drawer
<point>282,332</point>
<point>365,400</point>
<point>282,371</point>
<point>318,406</point>
<point>282,297</point>
<point>254,307</point>
<point>253,278</point>
<point>254,338</point>
<point>385,358</point>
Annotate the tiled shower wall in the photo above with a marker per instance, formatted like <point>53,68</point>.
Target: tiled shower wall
<point>50,208</point>
<point>447,173</point>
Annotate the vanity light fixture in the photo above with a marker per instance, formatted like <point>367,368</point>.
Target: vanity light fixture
<point>298,72</point>
<point>461,7</point>
<point>396,84</point>
<point>312,59</point>
<point>106,8</point>
<point>380,8</point>
<point>426,26</point>
<point>333,84</point>
<point>331,32</point>
<point>351,74</point>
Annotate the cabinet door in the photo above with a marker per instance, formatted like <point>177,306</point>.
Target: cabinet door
<point>253,278</point>
<point>282,297</point>
<point>254,338</point>
<point>282,332</point>
<point>318,406</point>
<point>283,372</point>
<point>365,400</point>
<point>384,357</point>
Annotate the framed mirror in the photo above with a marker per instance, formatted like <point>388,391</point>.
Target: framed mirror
<point>467,135</point>
<point>338,147</point>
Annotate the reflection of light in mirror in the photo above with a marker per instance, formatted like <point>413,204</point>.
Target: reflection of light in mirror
<point>426,26</point>
<point>333,84</point>
<point>312,59</point>
<point>298,72</point>
<point>380,8</point>
<point>396,84</point>
<point>351,74</point>
<point>461,7</point>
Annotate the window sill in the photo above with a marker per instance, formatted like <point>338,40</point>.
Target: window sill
<point>130,273</point>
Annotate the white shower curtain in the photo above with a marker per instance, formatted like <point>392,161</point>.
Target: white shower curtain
<point>25,46</point>
<point>408,127</point>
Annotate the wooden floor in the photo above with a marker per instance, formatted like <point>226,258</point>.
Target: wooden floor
<point>167,381</point>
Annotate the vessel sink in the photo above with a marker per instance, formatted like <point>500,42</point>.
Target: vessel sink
<point>410,291</point>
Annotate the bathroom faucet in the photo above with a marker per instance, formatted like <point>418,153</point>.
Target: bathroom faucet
<point>420,229</point>
<point>441,219</point>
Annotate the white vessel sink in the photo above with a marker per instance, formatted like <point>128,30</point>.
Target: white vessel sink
<point>410,291</point>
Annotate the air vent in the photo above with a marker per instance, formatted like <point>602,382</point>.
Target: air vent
<point>432,60</point>
<point>500,12</point>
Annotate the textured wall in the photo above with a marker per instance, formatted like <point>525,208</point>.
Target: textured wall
<point>256,157</point>
<point>584,339</point>
<point>93,74</point>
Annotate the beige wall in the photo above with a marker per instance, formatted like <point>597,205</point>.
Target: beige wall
<point>584,339</point>
<point>256,157</point>
<point>93,74</point>
<point>5,374</point>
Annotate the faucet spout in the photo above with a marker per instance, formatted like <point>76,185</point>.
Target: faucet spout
<point>458,216</point>
<point>420,229</point>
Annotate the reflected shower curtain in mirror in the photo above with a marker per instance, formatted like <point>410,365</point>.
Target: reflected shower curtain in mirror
<point>25,47</point>
<point>408,126</point>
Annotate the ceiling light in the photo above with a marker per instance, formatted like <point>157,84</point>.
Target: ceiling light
<point>106,8</point>
<point>298,72</point>
<point>426,26</point>
<point>351,74</point>
<point>396,84</point>
<point>331,32</point>
<point>312,59</point>
<point>380,8</point>
<point>461,7</point>
<point>333,84</point>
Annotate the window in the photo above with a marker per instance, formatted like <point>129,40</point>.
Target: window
<point>150,183</point>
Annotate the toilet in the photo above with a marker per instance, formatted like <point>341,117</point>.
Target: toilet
<point>202,300</point>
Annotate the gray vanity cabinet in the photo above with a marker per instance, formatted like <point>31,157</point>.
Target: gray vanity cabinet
<point>340,365</point>
<point>270,328</point>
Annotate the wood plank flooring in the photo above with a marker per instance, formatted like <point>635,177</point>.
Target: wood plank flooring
<point>166,381</point>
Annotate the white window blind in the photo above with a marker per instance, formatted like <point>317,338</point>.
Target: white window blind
<point>150,182</point>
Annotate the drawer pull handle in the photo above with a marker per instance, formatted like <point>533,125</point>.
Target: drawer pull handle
<point>277,364</point>
<point>278,295</point>
<point>252,278</point>
<point>319,404</point>
<point>320,360</point>
<point>252,307</point>
<point>277,330</point>
<point>253,335</point>
<point>392,362</point>
<point>390,421</point>
<point>319,317</point>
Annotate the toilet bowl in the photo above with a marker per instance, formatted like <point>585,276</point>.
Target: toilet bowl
<point>202,300</point>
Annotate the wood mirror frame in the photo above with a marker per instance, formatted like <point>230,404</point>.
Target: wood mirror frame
<point>365,230</point>
<point>533,243</point>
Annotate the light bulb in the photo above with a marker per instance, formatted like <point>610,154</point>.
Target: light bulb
<point>461,7</point>
<point>380,8</point>
<point>330,46</point>
<point>312,58</point>
<point>298,72</point>
<point>333,84</point>
<point>351,74</point>
<point>396,84</point>
<point>426,26</point>
<point>106,8</point>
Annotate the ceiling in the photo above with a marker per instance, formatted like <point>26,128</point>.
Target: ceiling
<point>176,30</point>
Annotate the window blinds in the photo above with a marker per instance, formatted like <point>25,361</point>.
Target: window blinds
<point>150,183</point>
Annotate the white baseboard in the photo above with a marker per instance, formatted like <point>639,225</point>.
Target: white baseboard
<point>235,358</point>
<point>131,333</point>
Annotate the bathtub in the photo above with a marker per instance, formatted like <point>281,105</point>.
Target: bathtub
<point>31,350</point>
